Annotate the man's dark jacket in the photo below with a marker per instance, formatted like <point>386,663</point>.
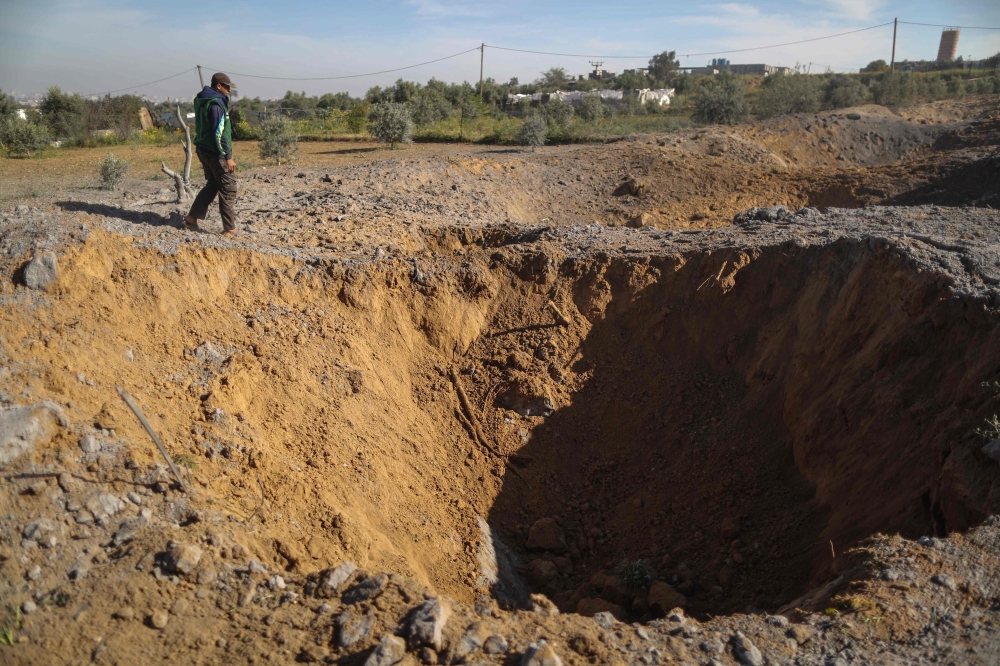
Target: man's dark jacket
<point>213,129</point>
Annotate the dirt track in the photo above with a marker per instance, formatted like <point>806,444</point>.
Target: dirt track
<point>738,406</point>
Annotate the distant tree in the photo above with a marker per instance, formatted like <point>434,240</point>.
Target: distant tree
<point>875,66</point>
<point>391,123</point>
<point>721,100</point>
<point>554,77</point>
<point>429,105</point>
<point>278,140</point>
<point>404,91</point>
<point>843,91</point>
<point>788,93</point>
<point>376,95</point>
<point>21,138</point>
<point>558,112</point>
<point>358,117</point>
<point>8,107</point>
<point>592,108</point>
<point>63,113</point>
<point>513,82</point>
<point>663,66</point>
<point>341,100</point>
<point>533,131</point>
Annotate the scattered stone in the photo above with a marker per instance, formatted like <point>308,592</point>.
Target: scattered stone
<point>485,606</point>
<point>179,607</point>
<point>36,529</point>
<point>159,619</point>
<point>124,614</point>
<point>134,498</point>
<point>90,444</point>
<point>428,623</point>
<point>220,643</point>
<point>546,534</point>
<point>41,271</point>
<point>712,646</point>
<point>746,652</point>
<point>944,580</point>
<point>471,640</point>
<point>276,582</point>
<point>428,656</point>
<point>367,589</point>
<point>339,576</point>
<point>352,627</point>
<point>324,608</point>
<point>35,573</point>
<point>389,651</point>
<point>777,620</point>
<point>495,644</point>
<point>540,654</point>
<point>312,654</point>
<point>29,607</point>
<point>604,620</point>
<point>543,605</point>
<point>23,428</point>
<point>67,482</point>
<point>183,557</point>
<point>255,567</point>
<point>127,530</point>
<point>641,220</point>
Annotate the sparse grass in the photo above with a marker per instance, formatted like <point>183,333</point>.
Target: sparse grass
<point>6,636</point>
<point>186,461</point>
<point>992,430</point>
<point>853,603</point>
<point>634,575</point>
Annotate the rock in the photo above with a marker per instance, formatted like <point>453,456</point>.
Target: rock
<point>255,567</point>
<point>770,214</point>
<point>124,614</point>
<point>663,597</point>
<point>367,589</point>
<point>540,572</point>
<point>127,530</point>
<point>471,640</point>
<point>103,505</point>
<point>67,482</point>
<point>712,646</point>
<point>106,419</point>
<point>641,220</point>
<point>309,655</point>
<point>159,619</point>
<point>604,619</point>
<point>35,573</point>
<point>594,607</point>
<point>276,582</point>
<point>221,643</point>
<point>944,580</point>
<point>79,572</point>
<point>29,607</point>
<point>134,498</point>
<point>543,605</point>
<point>352,627</point>
<point>339,576</point>
<point>41,271</point>
<point>428,622</point>
<point>428,656</point>
<point>183,557</point>
<point>746,652</point>
<point>802,633</point>
<point>992,449</point>
<point>390,650</point>
<point>546,534</point>
<point>23,428</point>
<point>540,654</point>
<point>326,179</point>
<point>179,607</point>
<point>36,529</point>
<point>495,644</point>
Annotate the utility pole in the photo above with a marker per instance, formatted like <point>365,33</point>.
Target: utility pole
<point>200,79</point>
<point>482,56</point>
<point>892,63</point>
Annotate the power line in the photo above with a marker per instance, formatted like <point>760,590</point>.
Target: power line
<point>350,76</point>
<point>688,55</point>
<point>142,85</point>
<point>942,25</point>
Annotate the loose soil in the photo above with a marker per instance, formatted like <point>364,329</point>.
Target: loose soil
<point>744,408</point>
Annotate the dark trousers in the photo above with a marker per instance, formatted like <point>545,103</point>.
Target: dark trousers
<point>218,181</point>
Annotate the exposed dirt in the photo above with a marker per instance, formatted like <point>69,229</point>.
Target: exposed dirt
<point>742,408</point>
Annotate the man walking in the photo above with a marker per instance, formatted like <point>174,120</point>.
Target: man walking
<point>214,145</point>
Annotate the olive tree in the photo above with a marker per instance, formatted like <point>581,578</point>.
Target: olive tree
<point>533,131</point>
<point>391,123</point>
<point>278,140</point>
<point>721,101</point>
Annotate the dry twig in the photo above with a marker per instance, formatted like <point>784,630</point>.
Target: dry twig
<point>149,429</point>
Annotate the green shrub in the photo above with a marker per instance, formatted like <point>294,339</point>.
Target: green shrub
<point>391,123</point>
<point>429,105</point>
<point>113,170</point>
<point>894,88</point>
<point>843,91</point>
<point>634,575</point>
<point>558,112</point>
<point>358,117</point>
<point>242,131</point>
<point>721,101</point>
<point>780,94</point>
<point>8,107</point>
<point>278,140</point>
<point>533,131</point>
<point>21,137</point>
<point>592,108</point>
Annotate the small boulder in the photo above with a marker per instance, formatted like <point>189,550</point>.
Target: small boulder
<point>367,589</point>
<point>352,627</point>
<point>495,644</point>
<point>540,654</point>
<point>540,572</point>
<point>41,271</point>
<point>428,622</point>
<point>545,534</point>
<point>746,652</point>
<point>594,607</point>
<point>802,633</point>
<point>159,619</point>
<point>390,650</point>
<point>339,576</point>
<point>23,428</point>
<point>641,220</point>
<point>662,597</point>
<point>183,557</point>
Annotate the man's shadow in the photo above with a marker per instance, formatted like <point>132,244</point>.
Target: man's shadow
<point>173,219</point>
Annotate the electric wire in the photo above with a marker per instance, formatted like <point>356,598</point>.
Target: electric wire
<point>142,85</point>
<point>347,76</point>
<point>943,25</point>
<point>688,55</point>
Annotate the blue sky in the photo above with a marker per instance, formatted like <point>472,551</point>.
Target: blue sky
<point>93,47</point>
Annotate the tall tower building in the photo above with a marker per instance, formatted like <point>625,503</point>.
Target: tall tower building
<point>949,45</point>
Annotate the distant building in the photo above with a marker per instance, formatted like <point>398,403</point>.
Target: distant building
<point>638,72</point>
<point>762,70</point>
<point>949,45</point>
<point>701,71</point>
<point>720,62</point>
